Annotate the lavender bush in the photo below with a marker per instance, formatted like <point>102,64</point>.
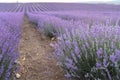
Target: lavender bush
<point>90,53</point>
<point>9,39</point>
<point>51,26</point>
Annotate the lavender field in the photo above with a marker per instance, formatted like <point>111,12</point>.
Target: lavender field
<point>59,41</point>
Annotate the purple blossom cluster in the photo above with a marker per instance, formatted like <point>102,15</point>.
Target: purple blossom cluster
<point>90,53</point>
<point>9,39</point>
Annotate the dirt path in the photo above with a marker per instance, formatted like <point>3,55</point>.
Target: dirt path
<point>35,56</point>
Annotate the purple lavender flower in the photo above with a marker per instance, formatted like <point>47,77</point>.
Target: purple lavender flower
<point>99,53</point>
<point>104,62</point>
<point>67,75</point>
<point>98,65</point>
<point>68,65</point>
<point>113,58</point>
<point>74,57</point>
<point>117,54</point>
<point>69,60</point>
<point>77,50</point>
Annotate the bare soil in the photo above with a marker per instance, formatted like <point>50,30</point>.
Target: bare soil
<point>36,58</point>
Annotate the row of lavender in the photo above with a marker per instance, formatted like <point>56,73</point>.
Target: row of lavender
<point>38,7</point>
<point>88,46</point>
<point>10,31</point>
<point>69,20</point>
<point>12,7</point>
